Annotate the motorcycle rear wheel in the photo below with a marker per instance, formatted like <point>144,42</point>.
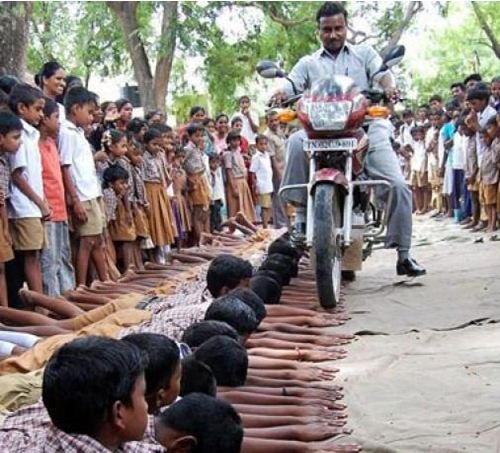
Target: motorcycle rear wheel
<point>327,254</point>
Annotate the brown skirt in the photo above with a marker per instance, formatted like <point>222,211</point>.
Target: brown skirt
<point>242,201</point>
<point>199,190</point>
<point>184,211</point>
<point>141,222</point>
<point>122,229</point>
<point>160,216</point>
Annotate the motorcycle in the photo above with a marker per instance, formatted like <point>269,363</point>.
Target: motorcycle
<point>333,112</point>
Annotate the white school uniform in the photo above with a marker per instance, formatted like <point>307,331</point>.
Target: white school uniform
<point>75,151</point>
<point>261,166</point>
<point>28,158</point>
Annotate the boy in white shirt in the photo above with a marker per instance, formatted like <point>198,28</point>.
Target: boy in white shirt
<point>262,177</point>
<point>27,204</point>
<point>81,183</point>
<point>419,179</point>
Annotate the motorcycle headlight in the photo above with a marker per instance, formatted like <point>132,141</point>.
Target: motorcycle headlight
<point>328,115</point>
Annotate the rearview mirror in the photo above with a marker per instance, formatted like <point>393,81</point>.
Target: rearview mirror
<point>269,69</point>
<point>393,57</point>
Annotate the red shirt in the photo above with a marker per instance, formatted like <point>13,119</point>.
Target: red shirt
<point>53,186</point>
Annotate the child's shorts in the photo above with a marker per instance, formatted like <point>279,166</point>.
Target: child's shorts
<point>28,234</point>
<point>265,200</point>
<point>6,252</point>
<point>95,219</point>
<point>419,180</point>
<point>488,194</point>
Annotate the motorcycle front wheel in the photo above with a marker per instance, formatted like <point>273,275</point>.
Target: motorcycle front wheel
<point>327,255</point>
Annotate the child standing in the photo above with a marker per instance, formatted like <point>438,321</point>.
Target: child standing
<point>10,140</point>
<point>160,217</point>
<point>471,171</point>
<point>419,180</point>
<point>489,171</point>
<point>57,269</point>
<point>27,202</point>
<point>198,188</point>
<point>239,197</point>
<point>81,183</point>
<point>121,226</point>
<point>179,178</point>
<point>217,185</point>
<point>262,176</point>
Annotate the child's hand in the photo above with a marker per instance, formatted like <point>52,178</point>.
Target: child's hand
<point>46,211</point>
<point>79,211</point>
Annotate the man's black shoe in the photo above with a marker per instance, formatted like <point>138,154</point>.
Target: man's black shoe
<point>410,267</point>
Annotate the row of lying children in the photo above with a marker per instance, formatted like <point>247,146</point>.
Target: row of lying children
<point>96,391</point>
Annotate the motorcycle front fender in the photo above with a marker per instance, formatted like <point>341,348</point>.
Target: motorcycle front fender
<point>329,175</point>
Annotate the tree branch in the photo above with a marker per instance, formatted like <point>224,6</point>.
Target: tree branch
<point>495,44</point>
<point>413,8</point>
<point>270,10</point>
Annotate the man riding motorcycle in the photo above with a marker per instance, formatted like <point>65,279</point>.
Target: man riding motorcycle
<point>359,63</point>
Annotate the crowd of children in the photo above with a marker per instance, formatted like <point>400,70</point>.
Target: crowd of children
<point>88,190</point>
<point>450,154</point>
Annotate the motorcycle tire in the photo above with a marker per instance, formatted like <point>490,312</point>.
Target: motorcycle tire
<point>327,254</point>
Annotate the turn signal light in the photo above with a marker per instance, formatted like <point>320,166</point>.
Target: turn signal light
<point>286,115</point>
<point>378,111</point>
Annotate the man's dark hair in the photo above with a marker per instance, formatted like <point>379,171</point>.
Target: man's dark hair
<point>135,125</point>
<point>227,271</point>
<point>457,85</point>
<point>214,423</point>
<point>85,378</point>
<point>478,93</point>
<point>197,378</point>
<point>235,312</point>
<point>266,288</point>
<point>192,128</point>
<point>199,332</point>
<point>250,298</point>
<point>408,113</point>
<point>79,96</point>
<point>163,358</point>
<point>227,359</point>
<point>9,122</point>
<point>329,9</point>
<point>473,77</point>
<point>435,97</point>
<point>25,94</point>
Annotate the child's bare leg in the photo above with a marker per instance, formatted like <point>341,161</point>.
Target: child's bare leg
<point>4,300</point>
<point>83,258</point>
<point>265,216</point>
<point>53,304</point>
<point>40,331</point>
<point>99,257</point>
<point>242,220</point>
<point>24,318</point>
<point>80,296</point>
<point>128,254</point>
<point>33,270</point>
<point>138,256</point>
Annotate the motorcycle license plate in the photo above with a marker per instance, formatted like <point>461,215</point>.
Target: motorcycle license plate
<point>330,144</point>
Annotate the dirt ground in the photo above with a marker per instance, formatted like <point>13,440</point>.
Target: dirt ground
<point>424,373</point>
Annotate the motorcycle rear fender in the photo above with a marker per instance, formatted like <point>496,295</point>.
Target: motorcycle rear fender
<point>330,175</point>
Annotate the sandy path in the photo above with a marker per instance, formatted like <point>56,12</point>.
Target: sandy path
<point>424,375</point>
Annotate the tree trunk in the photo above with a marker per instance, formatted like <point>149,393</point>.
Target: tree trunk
<point>14,27</point>
<point>153,90</point>
<point>495,43</point>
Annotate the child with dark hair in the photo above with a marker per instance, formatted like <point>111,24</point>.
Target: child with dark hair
<point>179,183</point>
<point>250,298</point>
<point>200,424</point>
<point>227,359</point>
<point>199,332</point>
<point>237,124</point>
<point>28,206</point>
<point>489,171</point>
<point>197,378</point>
<point>227,272</point>
<point>163,369</point>
<point>156,178</point>
<point>238,196</point>
<point>58,274</point>
<point>266,288</point>
<point>419,175</point>
<point>197,168</point>
<point>217,199</point>
<point>10,140</point>
<point>120,224</point>
<point>93,389</point>
<point>235,312</point>
<point>262,175</point>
